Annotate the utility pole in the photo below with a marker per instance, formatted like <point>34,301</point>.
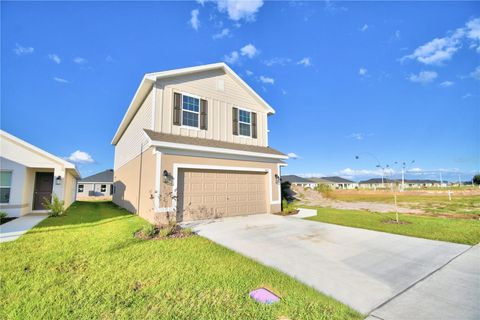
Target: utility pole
<point>441,180</point>
<point>403,176</point>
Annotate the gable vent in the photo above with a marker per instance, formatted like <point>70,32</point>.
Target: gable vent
<point>220,85</point>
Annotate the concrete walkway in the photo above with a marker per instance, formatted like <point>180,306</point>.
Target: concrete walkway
<point>453,292</point>
<point>361,268</point>
<point>12,230</point>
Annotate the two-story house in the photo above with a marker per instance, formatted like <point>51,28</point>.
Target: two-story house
<point>193,144</point>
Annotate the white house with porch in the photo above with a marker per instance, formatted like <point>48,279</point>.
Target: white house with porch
<point>28,175</point>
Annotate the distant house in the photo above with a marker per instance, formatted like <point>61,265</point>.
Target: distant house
<point>336,182</point>
<point>376,183</point>
<point>96,187</point>
<point>30,176</point>
<point>299,181</point>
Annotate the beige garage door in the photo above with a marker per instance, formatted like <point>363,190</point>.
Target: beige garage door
<point>204,194</point>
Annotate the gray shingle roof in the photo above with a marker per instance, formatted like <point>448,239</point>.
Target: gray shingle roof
<point>334,179</point>
<point>158,136</point>
<point>104,176</point>
<point>295,179</point>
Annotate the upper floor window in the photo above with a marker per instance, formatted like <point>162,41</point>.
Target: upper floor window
<point>80,188</point>
<point>190,111</point>
<point>244,122</point>
<point>103,188</point>
<point>5,186</point>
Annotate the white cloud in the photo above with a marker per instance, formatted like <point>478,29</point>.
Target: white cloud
<point>55,58</point>
<point>231,58</point>
<point>249,50</point>
<point>249,73</point>
<point>284,92</point>
<point>354,173</point>
<point>473,29</point>
<point>364,28</point>
<point>397,34</point>
<point>80,157</point>
<point>240,9</point>
<point>306,62</point>
<point>475,74</point>
<point>466,96</point>
<point>356,136</point>
<point>277,60</point>
<point>80,60</point>
<point>267,80</point>
<point>109,59</point>
<point>439,50</point>
<point>20,50</point>
<point>222,34</point>
<point>61,80</point>
<point>293,155</point>
<point>194,21</point>
<point>311,175</point>
<point>423,77</point>
<point>446,84</point>
<point>362,72</point>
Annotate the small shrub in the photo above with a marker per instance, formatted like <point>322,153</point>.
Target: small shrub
<point>3,215</point>
<point>56,207</point>
<point>148,231</point>
<point>324,189</point>
<point>288,208</point>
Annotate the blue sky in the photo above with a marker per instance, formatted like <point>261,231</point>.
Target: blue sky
<point>396,80</point>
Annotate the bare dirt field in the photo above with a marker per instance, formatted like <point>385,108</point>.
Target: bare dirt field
<point>463,204</point>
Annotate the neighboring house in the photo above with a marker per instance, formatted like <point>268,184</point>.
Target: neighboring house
<point>299,181</point>
<point>193,144</point>
<point>409,183</point>
<point>336,182</point>
<point>96,187</point>
<point>376,183</point>
<point>28,175</point>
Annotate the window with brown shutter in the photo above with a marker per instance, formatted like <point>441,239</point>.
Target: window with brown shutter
<point>254,125</point>
<point>235,121</point>
<point>203,115</point>
<point>177,108</point>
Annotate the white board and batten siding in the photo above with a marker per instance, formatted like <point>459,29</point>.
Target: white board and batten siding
<point>222,93</point>
<point>128,147</point>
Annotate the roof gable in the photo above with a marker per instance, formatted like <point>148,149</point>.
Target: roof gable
<point>29,155</point>
<point>150,78</point>
<point>104,176</point>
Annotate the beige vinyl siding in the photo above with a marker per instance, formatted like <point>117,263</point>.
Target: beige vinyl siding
<point>220,104</point>
<point>70,185</point>
<point>128,147</point>
<point>127,190</point>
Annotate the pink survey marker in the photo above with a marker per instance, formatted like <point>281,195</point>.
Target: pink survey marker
<point>264,296</point>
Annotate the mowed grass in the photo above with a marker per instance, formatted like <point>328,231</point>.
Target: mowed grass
<point>435,204</point>
<point>451,230</point>
<point>88,265</point>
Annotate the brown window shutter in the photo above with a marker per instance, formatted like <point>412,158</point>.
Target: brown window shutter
<point>203,114</point>
<point>254,125</point>
<point>235,121</point>
<point>177,108</point>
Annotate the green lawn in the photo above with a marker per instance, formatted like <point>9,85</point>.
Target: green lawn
<point>435,204</point>
<point>88,265</point>
<point>452,230</point>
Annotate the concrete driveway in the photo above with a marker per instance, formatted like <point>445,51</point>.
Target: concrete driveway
<point>361,268</point>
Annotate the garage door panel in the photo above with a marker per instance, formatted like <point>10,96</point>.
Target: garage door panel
<point>208,193</point>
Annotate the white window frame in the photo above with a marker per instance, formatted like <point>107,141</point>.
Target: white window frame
<point>10,186</point>
<point>83,187</point>
<point>198,113</point>
<point>250,124</point>
<point>101,187</point>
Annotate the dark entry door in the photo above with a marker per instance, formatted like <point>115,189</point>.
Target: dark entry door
<point>43,189</point>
